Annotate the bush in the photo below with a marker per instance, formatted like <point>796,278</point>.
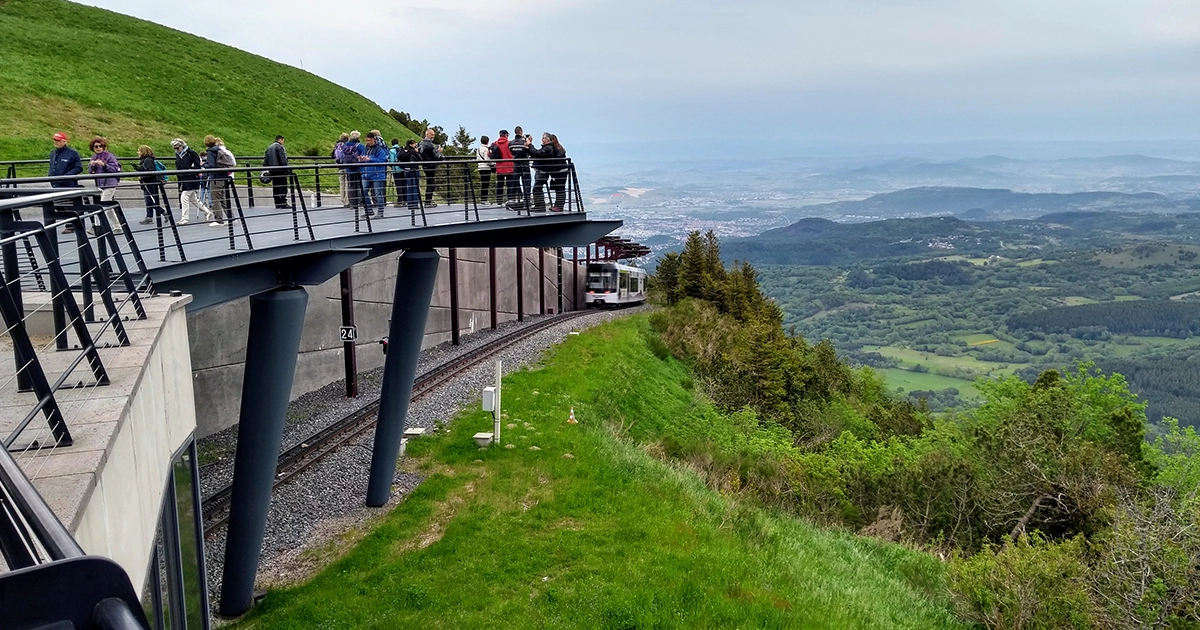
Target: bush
<point>1029,584</point>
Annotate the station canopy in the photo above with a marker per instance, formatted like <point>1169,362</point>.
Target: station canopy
<point>617,248</point>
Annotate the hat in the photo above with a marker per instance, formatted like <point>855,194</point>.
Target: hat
<point>60,137</point>
<point>178,142</point>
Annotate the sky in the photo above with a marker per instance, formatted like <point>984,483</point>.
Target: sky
<point>743,77</point>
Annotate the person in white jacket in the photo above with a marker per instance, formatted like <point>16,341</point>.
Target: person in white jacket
<point>485,168</point>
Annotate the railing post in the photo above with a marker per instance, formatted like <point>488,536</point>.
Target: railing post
<point>454,333</point>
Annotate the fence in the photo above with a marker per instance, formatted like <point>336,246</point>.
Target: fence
<point>59,306</point>
<point>303,208</point>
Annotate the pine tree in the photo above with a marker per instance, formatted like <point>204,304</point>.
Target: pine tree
<point>691,268</point>
<point>668,276</point>
<point>462,142</point>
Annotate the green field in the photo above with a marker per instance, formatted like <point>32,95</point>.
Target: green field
<point>593,531</point>
<point>86,71</point>
<point>909,356</point>
<point>924,381</point>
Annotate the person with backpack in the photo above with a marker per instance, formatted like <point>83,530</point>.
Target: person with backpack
<point>352,150</point>
<point>501,155</point>
<point>485,167</point>
<point>519,145</point>
<point>431,154</point>
<point>395,153</point>
<point>337,159</point>
<point>186,159</point>
<point>550,164</point>
<point>151,182</point>
<point>218,180</point>
<point>103,161</point>
<point>276,156</point>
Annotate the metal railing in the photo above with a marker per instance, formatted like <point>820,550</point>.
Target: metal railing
<point>308,202</point>
<point>81,292</point>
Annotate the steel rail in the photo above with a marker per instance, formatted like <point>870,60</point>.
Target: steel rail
<point>309,451</point>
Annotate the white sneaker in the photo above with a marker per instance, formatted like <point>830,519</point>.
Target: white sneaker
<point>208,215</point>
<point>216,224</point>
<point>183,220</point>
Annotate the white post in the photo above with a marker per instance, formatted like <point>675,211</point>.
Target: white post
<point>496,409</point>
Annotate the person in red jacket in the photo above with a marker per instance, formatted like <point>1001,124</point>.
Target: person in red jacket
<point>502,154</point>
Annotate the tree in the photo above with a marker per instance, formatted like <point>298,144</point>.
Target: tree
<point>668,277</point>
<point>691,267</point>
<point>462,142</point>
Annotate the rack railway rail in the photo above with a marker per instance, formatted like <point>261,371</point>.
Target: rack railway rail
<point>313,449</point>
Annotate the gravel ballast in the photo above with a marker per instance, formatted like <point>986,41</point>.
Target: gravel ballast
<point>325,503</point>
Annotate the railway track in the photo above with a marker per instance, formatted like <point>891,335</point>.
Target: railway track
<point>313,449</point>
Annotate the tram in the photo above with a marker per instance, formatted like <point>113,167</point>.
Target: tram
<point>614,284</point>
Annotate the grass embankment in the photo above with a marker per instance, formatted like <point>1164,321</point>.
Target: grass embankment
<point>592,531</point>
<point>65,66</point>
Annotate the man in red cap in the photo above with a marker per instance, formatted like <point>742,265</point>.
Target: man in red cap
<point>64,161</point>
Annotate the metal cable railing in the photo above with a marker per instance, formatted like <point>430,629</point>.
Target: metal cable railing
<point>309,202</point>
<point>61,301</point>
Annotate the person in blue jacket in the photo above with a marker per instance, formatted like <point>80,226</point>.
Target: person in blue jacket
<point>64,161</point>
<point>374,178</point>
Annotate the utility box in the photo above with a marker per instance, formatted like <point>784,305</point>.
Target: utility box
<point>489,398</point>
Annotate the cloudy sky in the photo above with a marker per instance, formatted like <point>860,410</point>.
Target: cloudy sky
<point>802,72</point>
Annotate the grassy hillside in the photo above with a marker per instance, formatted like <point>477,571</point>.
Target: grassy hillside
<point>585,526</point>
<point>90,71</point>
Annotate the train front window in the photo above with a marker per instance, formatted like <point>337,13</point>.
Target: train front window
<point>602,280</point>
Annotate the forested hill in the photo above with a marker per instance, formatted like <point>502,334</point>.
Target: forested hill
<point>816,241</point>
<point>65,66</point>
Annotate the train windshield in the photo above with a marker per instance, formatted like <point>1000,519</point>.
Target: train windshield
<point>600,279</point>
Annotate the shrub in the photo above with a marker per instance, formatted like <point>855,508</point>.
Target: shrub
<point>1030,584</point>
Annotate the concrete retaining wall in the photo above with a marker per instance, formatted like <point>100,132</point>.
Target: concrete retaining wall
<point>218,334</point>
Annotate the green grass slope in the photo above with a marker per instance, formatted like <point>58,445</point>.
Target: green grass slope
<point>91,71</point>
<point>590,530</point>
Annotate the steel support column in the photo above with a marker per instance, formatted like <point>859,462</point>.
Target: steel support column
<point>415,279</point>
<point>273,344</point>
<point>492,283</point>
<point>520,284</point>
<point>541,281</point>
<point>454,327</point>
<point>349,349</point>
<point>575,279</point>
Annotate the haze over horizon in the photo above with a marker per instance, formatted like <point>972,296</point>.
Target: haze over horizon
<point>764,77</point>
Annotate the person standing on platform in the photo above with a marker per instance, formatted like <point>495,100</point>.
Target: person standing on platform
<point>351,151</point>
<point>412,177</point>
<point>218,180</point>
<point>151,182</point>
<point>501,155</point>
<point>485,168</point>
<point>430,154</point>
<point>374,176</point>
<point>395,153</point>
<point>276,156</point>
<point>519,145</point>
<point>551,167</point>
<point>64,161</point>
<point>186,159</point>
<point>102,162</point>
<point>337,159</point>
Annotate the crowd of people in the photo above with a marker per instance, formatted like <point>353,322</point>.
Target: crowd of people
<point>365,163</point>
<point>366,160</point>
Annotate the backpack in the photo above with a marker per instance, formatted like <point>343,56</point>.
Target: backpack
<point>494,152</point>
<point>337,153</point>
<point>225,159</point>
<point>159,166</point>
<point>350,153</point>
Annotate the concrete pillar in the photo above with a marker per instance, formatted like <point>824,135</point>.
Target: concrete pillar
<point>276,323</point>
<point>415,279</point>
